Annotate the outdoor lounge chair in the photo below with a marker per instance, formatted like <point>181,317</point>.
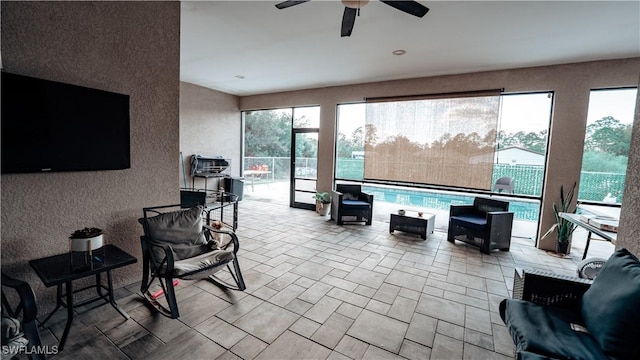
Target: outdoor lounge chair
<point>19,332</point>
<point>349,201</point>
<point>487,224</point>
<point>178,245</point>
<point>554,316</point>
<point>504,183</point>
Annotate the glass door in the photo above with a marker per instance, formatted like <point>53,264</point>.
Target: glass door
<point>280,155</point>
<point>304,167</point>
<point>267,157</point>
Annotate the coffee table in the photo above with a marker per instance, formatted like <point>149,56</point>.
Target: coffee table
<point>412,223</point>
<point>57,270</point>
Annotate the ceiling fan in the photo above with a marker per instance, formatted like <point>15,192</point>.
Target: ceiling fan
<point>352,8</point>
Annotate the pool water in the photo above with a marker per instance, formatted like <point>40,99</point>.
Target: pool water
<point>522,210</point>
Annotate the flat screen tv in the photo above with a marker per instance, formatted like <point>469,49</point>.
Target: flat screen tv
<point>50,126</point>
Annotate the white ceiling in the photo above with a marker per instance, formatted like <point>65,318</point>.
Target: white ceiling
<point>300,47</point>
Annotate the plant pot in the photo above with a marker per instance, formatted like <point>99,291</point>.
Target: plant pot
<point>86,244</point>
<point>322,209</point>
<point>563,247</point>
<point>86,252</point>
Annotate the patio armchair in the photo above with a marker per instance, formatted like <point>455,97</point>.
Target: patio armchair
<point>486,224</point>
<point>504,183</point>
<point>19,326</point>
<point>561,317</point>
<point>349,201</point>
<point>178,245</point>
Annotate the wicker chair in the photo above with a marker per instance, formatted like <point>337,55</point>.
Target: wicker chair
<point>487,220</point>
<point>564,317</point>
<point>543,288</point>
<point>547,288</point>
<point>349,201</point>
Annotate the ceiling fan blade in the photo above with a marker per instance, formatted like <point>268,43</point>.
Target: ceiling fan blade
<point>410,7</point>
<point>348,20</point>
<point>286,4</point>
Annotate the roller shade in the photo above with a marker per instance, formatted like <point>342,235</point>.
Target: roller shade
<point>441,139</point>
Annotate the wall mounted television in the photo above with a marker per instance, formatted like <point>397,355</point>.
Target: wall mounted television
<point>49,126</point>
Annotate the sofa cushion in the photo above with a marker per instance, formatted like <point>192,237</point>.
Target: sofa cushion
<point>611,306</point>
<point>348,196</point>
<point>470,221</point>
<point>355,204</point>
<point>550,331</point>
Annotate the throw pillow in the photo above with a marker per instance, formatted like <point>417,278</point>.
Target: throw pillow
<point>348,196</point>
<point>10,328</point>
<point>181,229</point>
<point>610,306</point>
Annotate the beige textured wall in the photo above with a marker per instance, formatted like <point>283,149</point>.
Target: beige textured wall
<point>629,235</point>
<point>126,47</point>
<point>571,83</point>
<point>210,125</point>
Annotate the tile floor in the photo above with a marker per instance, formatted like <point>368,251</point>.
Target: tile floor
<point>316,290</point>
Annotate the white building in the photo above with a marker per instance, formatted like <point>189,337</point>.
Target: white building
<point>515,155</point>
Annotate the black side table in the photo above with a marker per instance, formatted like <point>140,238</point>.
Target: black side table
<point>57,270</point>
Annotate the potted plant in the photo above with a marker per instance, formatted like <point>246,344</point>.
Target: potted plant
<point>86,233</point>
<point>323,199</point>
<point>564,227</point>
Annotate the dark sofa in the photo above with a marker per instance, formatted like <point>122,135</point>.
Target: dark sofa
<point>559,317</point>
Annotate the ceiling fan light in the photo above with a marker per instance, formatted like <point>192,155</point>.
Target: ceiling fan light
<point>355,4</point>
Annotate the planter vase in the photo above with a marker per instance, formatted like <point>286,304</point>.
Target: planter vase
<point>86,252</point>
<point>322,209</point>
<point>86,244</point>
<point>563,247</point>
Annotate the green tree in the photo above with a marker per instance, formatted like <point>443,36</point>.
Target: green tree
<point>306,147</point>
<point>535,141</point>
<point>608,135</point>
<point>527,140</point>
<point>371,135</point>
<point>347,145</point>
<point>267,133</point>
<point>606,146</point>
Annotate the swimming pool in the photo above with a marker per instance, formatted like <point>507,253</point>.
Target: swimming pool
<point>522,210</point>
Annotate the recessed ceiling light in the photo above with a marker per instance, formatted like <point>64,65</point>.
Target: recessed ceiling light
<point>240,77</point>
<point>355,4</point>
<point>399,52</point>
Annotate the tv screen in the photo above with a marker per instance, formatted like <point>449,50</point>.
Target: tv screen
<point>52,126</point>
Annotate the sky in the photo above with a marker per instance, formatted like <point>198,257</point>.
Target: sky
<point>617,103</point>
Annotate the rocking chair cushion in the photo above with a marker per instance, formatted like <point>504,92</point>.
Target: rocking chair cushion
<point>182,230</point>
<point>203,265</point>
